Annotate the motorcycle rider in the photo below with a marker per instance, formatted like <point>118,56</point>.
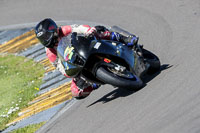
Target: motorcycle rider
<point>49,34</point>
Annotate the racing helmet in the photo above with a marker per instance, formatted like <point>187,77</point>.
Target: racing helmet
<point>46,32</point>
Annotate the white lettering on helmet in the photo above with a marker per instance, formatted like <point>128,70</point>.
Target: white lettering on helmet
<point>39,34</point>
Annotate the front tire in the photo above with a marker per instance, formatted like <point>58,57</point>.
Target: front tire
<point>108,77</point>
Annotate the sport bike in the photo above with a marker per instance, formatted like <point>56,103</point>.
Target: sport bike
<point>106,61</point>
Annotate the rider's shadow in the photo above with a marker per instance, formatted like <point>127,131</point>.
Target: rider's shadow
<point>120,92</point>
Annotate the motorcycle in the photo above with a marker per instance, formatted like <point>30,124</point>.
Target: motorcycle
<point>106,61</point>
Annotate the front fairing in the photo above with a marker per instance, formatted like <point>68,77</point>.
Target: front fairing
<point>87,47</point>
<point>122,51</point>
<point>116,49</point>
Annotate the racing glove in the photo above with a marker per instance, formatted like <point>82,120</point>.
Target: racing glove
<point>90,31</point>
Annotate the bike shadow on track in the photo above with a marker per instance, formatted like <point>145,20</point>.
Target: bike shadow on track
<point>120,92</point>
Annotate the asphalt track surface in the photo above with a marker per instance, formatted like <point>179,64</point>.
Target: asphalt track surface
<point>169,103</point>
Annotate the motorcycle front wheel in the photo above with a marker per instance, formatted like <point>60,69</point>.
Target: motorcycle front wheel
<point>125,80</point>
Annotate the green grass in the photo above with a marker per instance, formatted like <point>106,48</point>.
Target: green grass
<point>29,129</point>
<point>19,78</point>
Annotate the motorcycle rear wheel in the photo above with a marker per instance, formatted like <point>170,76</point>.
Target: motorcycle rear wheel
<point>133,83</point>
<point>153,61</point>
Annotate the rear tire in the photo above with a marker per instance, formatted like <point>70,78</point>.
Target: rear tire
<point>108,77</point>
<point>153,60</point>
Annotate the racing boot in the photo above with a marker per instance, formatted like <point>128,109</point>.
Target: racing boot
<point>130,40</point>
<point>95,86</point>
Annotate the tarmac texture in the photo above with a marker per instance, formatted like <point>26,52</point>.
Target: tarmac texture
<point>169,103</point>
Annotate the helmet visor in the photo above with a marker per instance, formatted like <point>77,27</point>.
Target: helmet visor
<point>45,37</point>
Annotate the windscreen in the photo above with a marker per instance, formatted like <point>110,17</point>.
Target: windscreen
<point>69,58</point>
<point>63,44</point>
